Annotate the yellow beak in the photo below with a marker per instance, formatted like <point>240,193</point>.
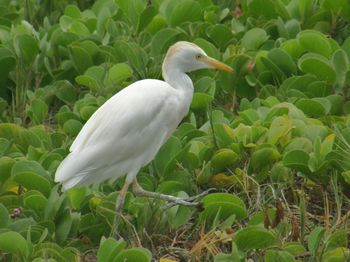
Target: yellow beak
<point>216,64</point>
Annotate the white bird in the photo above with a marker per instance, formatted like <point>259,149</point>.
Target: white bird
<point>127,131</point>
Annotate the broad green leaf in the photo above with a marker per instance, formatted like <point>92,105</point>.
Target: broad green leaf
<point>109,249</point>
<point>253,39</point>
<point>222,205</point>
<point>279,128</point>
<point>168,151</point>
<point>264,8</point>
<point>185,11</point>
<point>72,11</point>
<point>293,48</point>
<point>6,164</point>
<point>221,35</point>
<point>13,242</point>
<point>134,254</point>
<point>337,239</point>
<point>283,60</point>
<point>163,39</point>
<point>179,215</point>
<point>118,73</point>
<point>314,107</point>
<point>4,216</point>
<point>314,240</point>
<point>89,82</point>
<point>79,54</point>
<point>31,175</point>
<point>37,111</point>
<point>315,42</point>
<point>278,256</point>
<point>65,91</point>
<point>264,157</point>
<point>339,254</point>
<point>294,248</point>
<point>340,62</point>
<point>26,47</point>
<point>72,127</point>
<point>254,237</point>
<point>224,158</point>
<point>64,223</point>
<point>201,101</point>
<point>35,201</point>
<point>78,28</point>
<point>76,196</point>
<point>87,111</point>
<point>297,159</point>
<point>7,62</point>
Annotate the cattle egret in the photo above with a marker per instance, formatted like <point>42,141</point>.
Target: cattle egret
<point>127,131</point>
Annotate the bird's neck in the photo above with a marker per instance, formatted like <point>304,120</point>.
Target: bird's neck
<point>182,83</point>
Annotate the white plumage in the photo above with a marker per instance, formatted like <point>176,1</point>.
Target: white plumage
<point>127,131</point>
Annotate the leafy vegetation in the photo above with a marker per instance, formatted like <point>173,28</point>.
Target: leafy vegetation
<point>273,138</point>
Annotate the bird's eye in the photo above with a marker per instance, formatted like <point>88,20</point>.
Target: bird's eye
<point>199,56</point>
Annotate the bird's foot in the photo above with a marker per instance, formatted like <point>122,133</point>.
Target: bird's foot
<point>190,200</point>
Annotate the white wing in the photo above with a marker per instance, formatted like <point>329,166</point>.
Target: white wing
<point>123,134</point>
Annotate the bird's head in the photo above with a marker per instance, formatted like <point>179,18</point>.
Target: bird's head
<point>187,57</point>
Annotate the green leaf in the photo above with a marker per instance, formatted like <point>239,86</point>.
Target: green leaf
<point>339,254</point>
<point>64,225</point>
<point>293,48</point>
<point>13,242</point>
<point>314,107</point>
<point>163,39</point>
<point>297,159</point>
<point>283,60</point>
<point>78,28</point>
<point>26,47</point>
<point>317,65</point>
<point>118,73</point>
<point>134,254</point>
<point>315,42</point>
<point>253,39</point>
<point>38,111</point>
<point>4,216</point>
<point>254,237</point>
<point>314,240</point>
<point>72,127</point>
<point>185,11</point>
<point>89,82</point>
<point>224,158</point>
<point>279,128</point>
<point>76,196</point>
<point>278,256</point>
<point>6,164</point>
<point>109,249</point>
<point>65,91</point>
<point>31,175</point>
<point>167,152</point>
<point>222,205</point>
<point>294,248</point>
<point>221,35</point>
<point>79,54</point>
<point>340,62</point>
<point>35,201</point>
<point>72,11</point>
<point>179,215</point>
<point>201,101</point>
<point>337,239</point>
<point>7,62</point>
<point>264,157</point>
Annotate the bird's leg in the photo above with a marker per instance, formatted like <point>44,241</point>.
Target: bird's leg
<point>139,191</point>
<point>118,208</point>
